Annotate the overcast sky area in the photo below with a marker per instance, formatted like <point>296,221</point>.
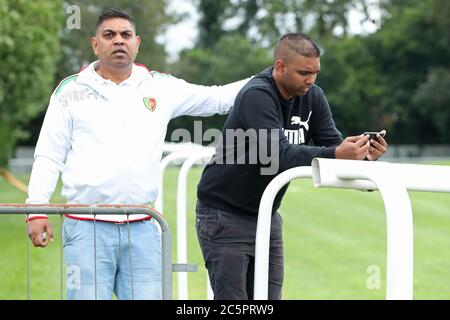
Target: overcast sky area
<point>182,35</point>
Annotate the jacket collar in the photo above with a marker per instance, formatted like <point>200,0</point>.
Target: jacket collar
<point>88,76</point>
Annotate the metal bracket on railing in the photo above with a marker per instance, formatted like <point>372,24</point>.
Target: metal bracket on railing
<point>184,267</point>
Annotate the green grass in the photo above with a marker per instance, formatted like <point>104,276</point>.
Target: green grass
<point>44,263</point>
<point>331,238</point>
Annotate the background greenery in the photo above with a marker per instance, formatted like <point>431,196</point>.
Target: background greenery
<point>29,52</point>
<point>331,238</point>
<point>394,78</point>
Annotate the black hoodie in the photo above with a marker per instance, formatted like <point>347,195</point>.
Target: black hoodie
<point>238,186</point>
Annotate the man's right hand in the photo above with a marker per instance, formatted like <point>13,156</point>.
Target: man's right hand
<point>37,228</point>
<point>353,148</point>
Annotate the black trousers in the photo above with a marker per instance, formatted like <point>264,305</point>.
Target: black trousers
<point>227,241</point>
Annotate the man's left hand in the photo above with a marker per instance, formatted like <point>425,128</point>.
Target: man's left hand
<point>377,147</point>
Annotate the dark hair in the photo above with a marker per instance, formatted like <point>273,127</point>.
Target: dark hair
<point>114,13</point>
<point>296,43</point>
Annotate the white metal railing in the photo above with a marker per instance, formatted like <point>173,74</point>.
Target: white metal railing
<point>415,177</point>
<point>262,240</point>
<point>392,180</point>
<point>189,157</point>
<point>182,217</point>
<point>165,162</point>
<point>175,156</point>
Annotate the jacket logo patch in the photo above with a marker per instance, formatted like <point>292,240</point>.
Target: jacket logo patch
<point>297,136</point>
<point>298,120</point>
<point>150,103</point>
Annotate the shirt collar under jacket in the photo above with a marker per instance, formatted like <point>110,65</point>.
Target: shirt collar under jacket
<point>91,78</point>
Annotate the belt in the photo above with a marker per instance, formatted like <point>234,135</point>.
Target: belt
<point>99,220</point>
<point>125,222</point>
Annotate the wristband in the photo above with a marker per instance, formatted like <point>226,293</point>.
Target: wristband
<point>35,217</point>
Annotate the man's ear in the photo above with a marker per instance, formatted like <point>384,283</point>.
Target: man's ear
<point>94,45</point>
<point>280,66</point>
<point>138,41</point>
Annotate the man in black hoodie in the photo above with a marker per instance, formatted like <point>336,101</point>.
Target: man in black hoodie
<point>275,117</point>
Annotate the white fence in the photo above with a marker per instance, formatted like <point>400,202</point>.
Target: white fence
<point>392,180</point>
<point>188,155</point>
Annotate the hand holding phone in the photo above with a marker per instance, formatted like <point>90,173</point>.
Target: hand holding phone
<point>378,145</point>
<point>373,134</point>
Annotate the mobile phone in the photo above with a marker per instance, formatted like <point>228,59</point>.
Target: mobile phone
<point>372,134</point>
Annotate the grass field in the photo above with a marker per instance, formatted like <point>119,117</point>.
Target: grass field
<point>333,238</point>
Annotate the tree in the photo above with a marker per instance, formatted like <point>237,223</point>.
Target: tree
<point>351,79</point>
<point>266,20</point>
<point>413,52</point>
<point>232,58</point>
<point>29,51</point>
<point>395,78</point>
<point>211,21</point>
<point>433,99</point>
<point>236,38</point>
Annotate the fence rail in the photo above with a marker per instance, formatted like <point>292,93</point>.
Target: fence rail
<point>188,158</point>
<point>392,180</point>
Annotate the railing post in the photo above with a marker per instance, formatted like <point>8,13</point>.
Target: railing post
<point>174,156</point>
<point>182,217</point>
<point>399,221</point>
<point>262,241</point>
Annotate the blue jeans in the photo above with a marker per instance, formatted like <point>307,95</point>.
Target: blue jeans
<point>112,260</point>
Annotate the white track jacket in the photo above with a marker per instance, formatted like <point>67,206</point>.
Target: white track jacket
<point>107,139</point>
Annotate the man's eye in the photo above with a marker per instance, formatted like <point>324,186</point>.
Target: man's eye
<point>126,35</point>
<point>107,35</point>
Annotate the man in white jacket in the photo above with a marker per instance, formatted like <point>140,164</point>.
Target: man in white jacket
<point>104,131</point>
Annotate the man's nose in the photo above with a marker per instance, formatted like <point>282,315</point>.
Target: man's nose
<point>118,39</point>
<point>311,79</point>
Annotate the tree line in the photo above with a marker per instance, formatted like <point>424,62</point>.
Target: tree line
<point>397,77</point>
